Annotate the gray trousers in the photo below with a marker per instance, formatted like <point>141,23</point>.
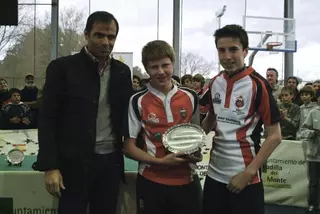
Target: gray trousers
<point>314,179</point>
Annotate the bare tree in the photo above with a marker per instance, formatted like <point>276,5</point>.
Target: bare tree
<point>10,34</point>
<point>195,64</point>
<point>136,70</point>
<point>72,25</point>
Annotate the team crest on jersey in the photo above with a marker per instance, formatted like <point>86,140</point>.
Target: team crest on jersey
<point>152,117</point>
<point>183,113</point>
<point>240,102</point>
<point>216,98</point>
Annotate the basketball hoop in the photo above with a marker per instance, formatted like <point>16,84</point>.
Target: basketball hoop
<point>271,45</point>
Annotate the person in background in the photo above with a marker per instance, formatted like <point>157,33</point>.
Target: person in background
<point>16,114</point>
<point>293,83</point>
<point>29,96</point>
<point>310,132</point>
<point>308,84</point>
<point>186,81</point>
<point>198,83</point>
<point>307,97</point>
<point>30,92</point>
<point>290,114</point>
<point>82,109</point>
<point>177,79</point>
<point>4,92</point>
<point>316,85</point>
<point>136,82</point>
<point>272,77</point>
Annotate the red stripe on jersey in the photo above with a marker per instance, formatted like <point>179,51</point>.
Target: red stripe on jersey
<point>245,147</point>
<point>264,108</point>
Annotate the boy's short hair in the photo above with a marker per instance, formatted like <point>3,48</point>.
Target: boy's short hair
<point>233,31</point>
<point>136,77</point>
<point>287,89</point>
<point>186,77</point>
<point>176,78</point>
<point>307,90</point>
<point>200,78</point>
<point>2,79</point>
<point>13,90</point>
<point>293,77</point>
<point>156,50</point>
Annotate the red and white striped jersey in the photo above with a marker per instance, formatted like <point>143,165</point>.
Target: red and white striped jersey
<point>242,103</point>
<point>150,114</point>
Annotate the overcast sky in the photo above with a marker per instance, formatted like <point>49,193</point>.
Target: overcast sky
<point>138,25</point>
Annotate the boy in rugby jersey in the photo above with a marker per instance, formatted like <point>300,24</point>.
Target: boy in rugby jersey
<point>241,102</point>
<point>166,184</point>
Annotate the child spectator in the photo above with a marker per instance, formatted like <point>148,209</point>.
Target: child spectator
<point>307,95</point>
<point>310,131</point>
<point>290,114</point>
<point>4,92</point>
<point>15,113</point>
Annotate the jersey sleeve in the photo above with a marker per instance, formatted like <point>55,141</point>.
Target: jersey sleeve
<point>132,125</point>
<point>209,97</point>
<point>196,116</point>
<point>267,106</point>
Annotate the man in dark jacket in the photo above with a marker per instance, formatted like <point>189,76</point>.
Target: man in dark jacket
<point>80,143</point>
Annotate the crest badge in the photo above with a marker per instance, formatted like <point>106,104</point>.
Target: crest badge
<point>152,117</point>
<point>216,98</point>
<point>183,113</point>
<point>239,102</point>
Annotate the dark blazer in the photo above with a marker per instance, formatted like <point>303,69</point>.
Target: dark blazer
<point>68,109</point>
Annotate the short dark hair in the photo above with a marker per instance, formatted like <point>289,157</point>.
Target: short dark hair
<point>136,77</point>
<point>233,31</point>
<point>2,79</point>
<point>176,78</point>
<point>307,90</point>
<point>100,16</point>
<point>186,77</point>
<point>287,89</point>
<point>275,71</point>
<point>13,90</point>
<point>293,77</point>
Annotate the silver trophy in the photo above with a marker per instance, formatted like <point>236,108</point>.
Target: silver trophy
<point>186,137</point>
<point>15,157</point>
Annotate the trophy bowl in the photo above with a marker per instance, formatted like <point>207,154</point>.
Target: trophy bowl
<point>185,137</point>
<point>15,157</point>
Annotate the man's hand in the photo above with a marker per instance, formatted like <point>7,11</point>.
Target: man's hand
<point>239,181</point>
<point>26,121</point>
<point>54,182</point>
<point>15,120</point>
<point>173,159</point>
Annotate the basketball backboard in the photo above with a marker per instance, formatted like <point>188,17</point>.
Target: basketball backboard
<point>266,30</point>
